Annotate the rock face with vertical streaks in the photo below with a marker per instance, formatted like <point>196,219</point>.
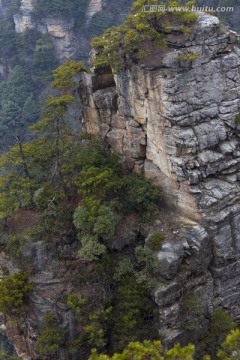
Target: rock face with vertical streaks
<point>174,120</point>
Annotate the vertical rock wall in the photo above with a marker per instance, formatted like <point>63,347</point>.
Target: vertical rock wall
<point>93,7</point>
<point>67,40</point>
<point>174,120</point>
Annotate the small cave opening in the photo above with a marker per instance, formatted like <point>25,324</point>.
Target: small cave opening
<point>103,79</point>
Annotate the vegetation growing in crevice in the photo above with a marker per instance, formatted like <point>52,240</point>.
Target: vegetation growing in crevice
<point>155,241</point>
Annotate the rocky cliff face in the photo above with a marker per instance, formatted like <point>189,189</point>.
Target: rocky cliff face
<point>61,30</point>
<point>94,7</point>
<point>68,41</point>
<point>174,120</point>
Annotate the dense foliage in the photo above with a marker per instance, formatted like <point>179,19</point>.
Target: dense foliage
<point>50,336</point>
<point>14,291</point>
<point>70,182</point>
<point>18,107</point>
<point>229,350</point>
<point>28,60</point>
<point>120,43</point>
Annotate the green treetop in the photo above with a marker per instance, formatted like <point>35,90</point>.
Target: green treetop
<point>148,351</point>
<point>64,75</point>
<point>38,164</point>
<point>14,291</point>
<point>119,43</point>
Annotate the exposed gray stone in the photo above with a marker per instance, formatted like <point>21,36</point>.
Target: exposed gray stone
<point>183,114</point>
<point>168,264</point>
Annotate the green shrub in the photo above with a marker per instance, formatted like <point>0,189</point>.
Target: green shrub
<point>92,322</point>
<point>132,313</point>
<point>120,42</point>
<point>193,310</point>
<point>76,303</point>
<point>142,196</point>
<point>13,246</point>
<point>91,249</point>
<point>147,259</point>
<point>155,241</point>
<point>101,182</point>
<point>14,292</point>
<point>50,336</point>
<point>237,118</point>
<point>188,56</point>
<point>230,349</point>
<point>123,268</point>
<point>148,350</point>
<point>106,222</point>
<point>220,325</point>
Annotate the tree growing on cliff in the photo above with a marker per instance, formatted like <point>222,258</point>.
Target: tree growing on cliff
<point>50,336</point>
<point>44,59</point>
<point>148,350</point>
<point>120,44</point>
<point>14,292</point>
<point>39,164</point>
<point>231,347</point>
<point>18,108</point>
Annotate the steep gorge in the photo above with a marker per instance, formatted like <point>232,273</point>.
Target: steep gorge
<point>172,119</point>
<point>71,36</point>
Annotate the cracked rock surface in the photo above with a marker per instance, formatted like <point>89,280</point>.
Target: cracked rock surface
<point>175,122</point>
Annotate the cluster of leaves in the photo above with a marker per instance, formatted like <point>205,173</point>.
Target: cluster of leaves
<point>220,325</point>
<point>18,107</point>
<point>120,42</point>
<point>14,291</point>
<point>193,311</point>
<point>132,315</point>
<point>28,60</point>
<point>125,315</point>
<point>155,241</point>
<point>50,337</point>
<point>92,323</point>
<point>187,56</point>
<point>5,356</point>
<point>148,350</point>
<point>229,350</point>
<point>104,193</point>
<point>237,118</point>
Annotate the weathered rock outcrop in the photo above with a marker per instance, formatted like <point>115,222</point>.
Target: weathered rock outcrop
<point>51,278</point>
<point>94,7</point>
<point>67,40</point>
<point>60,29</point>
<point>174,120</point>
